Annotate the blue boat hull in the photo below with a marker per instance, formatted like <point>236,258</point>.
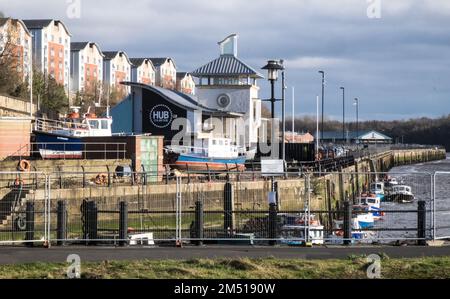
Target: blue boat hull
<point>54,146</point>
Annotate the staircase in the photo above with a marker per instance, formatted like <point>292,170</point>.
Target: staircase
<point>13,202</point>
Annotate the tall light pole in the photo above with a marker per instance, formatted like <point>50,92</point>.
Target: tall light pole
<point>317,128</point>
<point>283,112</point>
<point>323,96</point>
<point>272,67</point>
<point>293,111</point>
<point>356,103</point>
<point>343,114</point>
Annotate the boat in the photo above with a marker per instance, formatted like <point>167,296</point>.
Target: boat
<point>358,235</point>
<point>377,188</point>
<point>390,182</point>
<point>64,139</point>
<point>364,217</point>
<point>371,204</point>
<point>295,228</point>
<point>215,154</point>
<point>400,194</point>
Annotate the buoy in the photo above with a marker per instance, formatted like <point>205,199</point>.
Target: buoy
<point>24,165</point>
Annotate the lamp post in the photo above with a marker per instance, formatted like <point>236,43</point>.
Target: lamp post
<point>343,114</point>
<point>272,67</point>
<point>323,95</point>
<point>356,103</point>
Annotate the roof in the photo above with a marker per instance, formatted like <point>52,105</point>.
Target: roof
<point>226,65</point>
<point>350,134</point>
<point>77,46</point>
<point>109,55</point>
<point>42,23</point>
<point>181,75</point>
<point>139,61</point>
<point>4,20</point>
<point>157,61</point>
<point>182,100</point>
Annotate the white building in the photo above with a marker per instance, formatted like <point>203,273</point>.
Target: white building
<point>51,49</point>
<point>116,69</point>
<point>229,85</point>
<point>185,83</point>
<point>143,71</point>
<point>15,42</point>
<point>166,72</point>
<point>86,70</point>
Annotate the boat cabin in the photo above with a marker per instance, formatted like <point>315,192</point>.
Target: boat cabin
<point>369,201</point>
<point>402,189</point>
<point>377,188</point>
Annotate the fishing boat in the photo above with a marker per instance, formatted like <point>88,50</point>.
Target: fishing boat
<point>370,203</point>
<point>357,235</point>
<point>364,217</point>
<point>296,227</point>
<point>390,182</point>
<point>400,194</point>
<point>57,139</point>
<point>377,188</point>
<point>215,154</point>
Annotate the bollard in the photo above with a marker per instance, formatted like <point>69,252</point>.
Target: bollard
<point>272,224</point>
<point>61,223</point>
<point>29,234</point>
<point>421,223</point>
<point>228,217</point>
<point>199,223</point>
<point>123,223</point>
<point>347,223</point>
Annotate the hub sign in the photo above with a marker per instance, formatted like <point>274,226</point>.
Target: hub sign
<point>161,116</point>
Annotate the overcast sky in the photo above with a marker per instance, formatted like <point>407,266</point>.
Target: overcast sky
<point>398,65</point>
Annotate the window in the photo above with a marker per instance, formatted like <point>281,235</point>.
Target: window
<point>94,124</point>
<point>104,124</point>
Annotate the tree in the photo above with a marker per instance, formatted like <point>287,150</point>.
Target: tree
<point>11,78</point>
<point>49,94</point>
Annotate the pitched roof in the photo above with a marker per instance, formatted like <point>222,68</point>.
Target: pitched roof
<point>226,65</point>
<point>109,55</point>
<point>157,61</point>
<point>4,20</point>
<point>77,46</point>
<point>139,61</point>
<point>181,75</point>
<point>42,23</point>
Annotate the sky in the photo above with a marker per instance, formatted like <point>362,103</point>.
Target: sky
<point>393,55</point>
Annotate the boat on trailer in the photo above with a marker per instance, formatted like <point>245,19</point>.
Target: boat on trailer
<point>64,139</point>
<point>216,154</point>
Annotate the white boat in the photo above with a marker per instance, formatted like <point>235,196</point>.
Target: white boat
<point>358,236</point>
<point>295,228</point>
<point>390,182</point>
<point>400,194</point>
<point>371,203</point>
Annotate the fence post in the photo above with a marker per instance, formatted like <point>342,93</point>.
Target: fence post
<point>347,223</point>
<point>61,223</point>
<point>109,176</point>
<point>421,223</point>
<point>29,227</point>
<point>123,223</point>
<point>90,216</point>
<point>144,174</point>
<point>84,176</point>
<point>228,200</point>
<point>199,223</point>
<point>272,223</point>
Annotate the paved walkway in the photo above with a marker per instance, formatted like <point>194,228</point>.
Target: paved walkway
<point>13,255</point>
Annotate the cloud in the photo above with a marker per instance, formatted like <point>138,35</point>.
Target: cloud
<point>315,62</point>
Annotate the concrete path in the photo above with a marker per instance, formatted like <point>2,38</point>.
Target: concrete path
<point>14,255</point>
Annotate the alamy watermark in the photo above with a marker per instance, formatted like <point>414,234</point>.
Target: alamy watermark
<point>74,269</point>
<point>374,269</point>
<point>374,9</point>
<point>73,10</point>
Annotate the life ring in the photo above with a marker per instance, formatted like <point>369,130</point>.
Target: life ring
<point>340,233</point>
<point>20,223</point>
<point>24,165</point>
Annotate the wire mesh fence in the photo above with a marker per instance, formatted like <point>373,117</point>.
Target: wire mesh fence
<point>318,208</point>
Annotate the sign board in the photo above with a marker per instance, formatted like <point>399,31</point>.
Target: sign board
<point>272,167</point>
<point>161,116</point>
<point>272,198</point>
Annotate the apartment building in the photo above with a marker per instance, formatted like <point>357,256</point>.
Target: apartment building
<point>185,83</point>
<point>143,71</point>
<point>116,68</point>
<point>166,72</point>
<point>15,45</point>
<point>51,49</point>
<point>86,68</point>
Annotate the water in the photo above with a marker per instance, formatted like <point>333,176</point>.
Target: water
<point>419,177</point>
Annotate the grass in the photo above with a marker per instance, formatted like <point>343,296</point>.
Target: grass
<point>267,268</point>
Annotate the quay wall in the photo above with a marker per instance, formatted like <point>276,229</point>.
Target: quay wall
<point>327,191</point>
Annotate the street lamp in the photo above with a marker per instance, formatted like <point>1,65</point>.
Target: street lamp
<point>323,95</point>
<point>343,114</point>
<point>356,103</point>
<point>272,67</point>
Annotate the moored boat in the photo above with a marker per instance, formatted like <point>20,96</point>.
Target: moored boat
<point>401,194</point>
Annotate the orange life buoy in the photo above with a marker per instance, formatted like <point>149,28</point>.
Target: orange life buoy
<point>24,165</point>
<point>340,233</point>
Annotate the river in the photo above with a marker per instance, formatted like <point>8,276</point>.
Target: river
<point>420,178</point>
